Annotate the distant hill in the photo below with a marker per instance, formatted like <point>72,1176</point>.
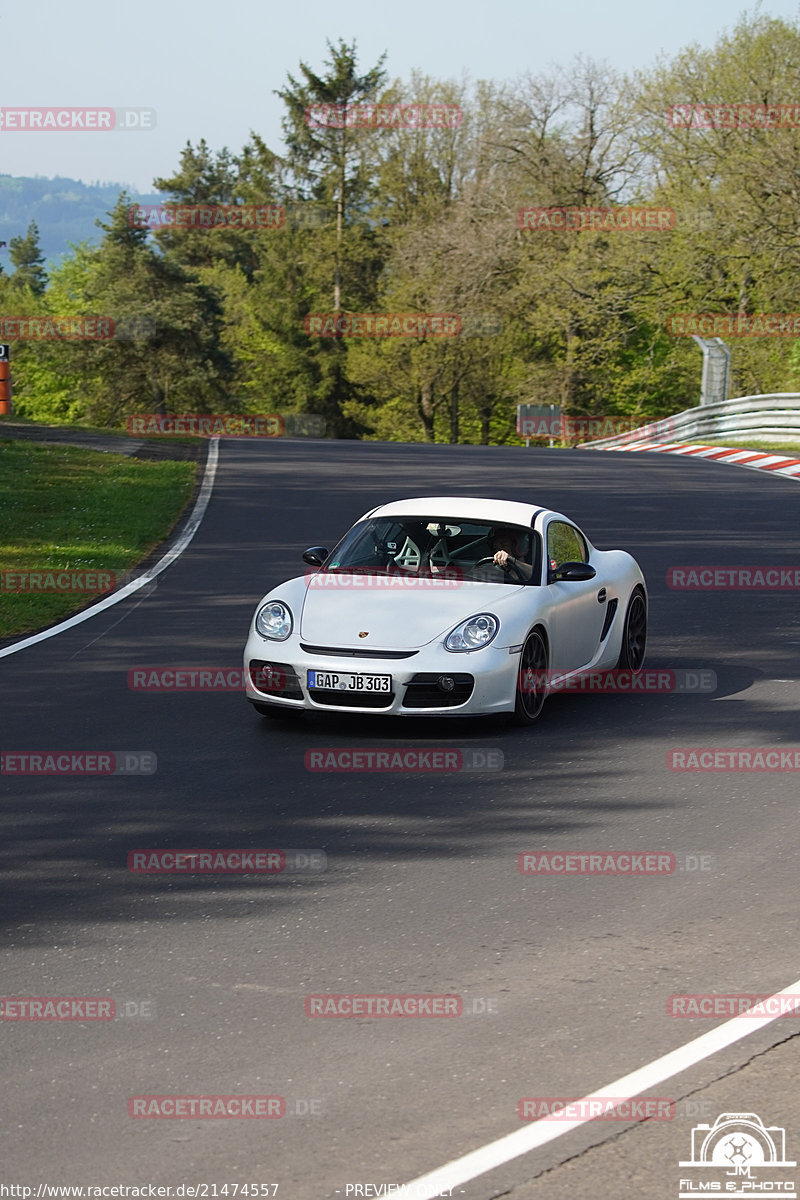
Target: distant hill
<point>64,209</point>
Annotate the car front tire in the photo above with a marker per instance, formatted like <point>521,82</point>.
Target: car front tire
<point>531,680</point>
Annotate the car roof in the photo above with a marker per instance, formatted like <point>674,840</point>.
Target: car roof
<point>467,508</point>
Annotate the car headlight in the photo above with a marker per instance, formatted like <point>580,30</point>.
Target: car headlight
<point>473,633</point>
<point>274,621</point>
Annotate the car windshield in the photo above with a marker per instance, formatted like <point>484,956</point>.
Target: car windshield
<point>432,546</point>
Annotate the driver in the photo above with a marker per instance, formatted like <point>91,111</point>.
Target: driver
<point>504,545</point>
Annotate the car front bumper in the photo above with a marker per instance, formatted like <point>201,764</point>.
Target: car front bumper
<point>484,681</point>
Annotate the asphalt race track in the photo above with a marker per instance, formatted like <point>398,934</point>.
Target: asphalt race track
<point>564,980</point>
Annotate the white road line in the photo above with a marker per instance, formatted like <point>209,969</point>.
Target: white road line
<point>201,504</point>
<point>547,1129</point>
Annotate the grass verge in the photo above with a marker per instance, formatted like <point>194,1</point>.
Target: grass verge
<point>65,510</point>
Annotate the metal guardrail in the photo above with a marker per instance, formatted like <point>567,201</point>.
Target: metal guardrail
<point>774,417</point>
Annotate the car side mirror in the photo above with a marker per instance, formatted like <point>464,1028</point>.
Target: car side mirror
<point>572,572</point>
<point>315,556</point>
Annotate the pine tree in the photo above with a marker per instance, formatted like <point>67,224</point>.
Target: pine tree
<point>332,159</point>
<point>27,258</point>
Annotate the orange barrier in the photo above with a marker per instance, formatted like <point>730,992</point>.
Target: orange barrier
<point>5,388</point>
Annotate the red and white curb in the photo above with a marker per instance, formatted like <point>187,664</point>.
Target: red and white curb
<point>759,460</point>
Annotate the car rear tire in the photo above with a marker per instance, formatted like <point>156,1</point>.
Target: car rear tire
<point>634,633</point>
<point>531,680</point>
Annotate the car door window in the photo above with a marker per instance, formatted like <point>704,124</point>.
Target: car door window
<point>564,544</point>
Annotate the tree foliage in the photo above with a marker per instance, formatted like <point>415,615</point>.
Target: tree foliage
<point>25,253</point>
<point>422,217</point>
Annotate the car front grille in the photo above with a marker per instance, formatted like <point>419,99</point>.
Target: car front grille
<point>424,691</point>
<point>351,699</point>
<point>349,652</point>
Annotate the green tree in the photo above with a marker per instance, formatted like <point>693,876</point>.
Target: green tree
<point>28,260</point>
<point>165,354</point>
<point>205,178</point>
<point>328,246</point>
<point>421,171</point>
<point>329,158</point>
<point>733,185</point>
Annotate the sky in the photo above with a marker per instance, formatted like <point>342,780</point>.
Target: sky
<point>209,68</point>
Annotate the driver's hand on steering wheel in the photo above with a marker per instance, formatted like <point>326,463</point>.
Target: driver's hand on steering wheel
<point>508,563</point>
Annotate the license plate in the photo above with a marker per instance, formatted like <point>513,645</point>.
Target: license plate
<point>337,681</point>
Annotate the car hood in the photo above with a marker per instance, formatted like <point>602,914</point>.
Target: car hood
<point>392,617</point>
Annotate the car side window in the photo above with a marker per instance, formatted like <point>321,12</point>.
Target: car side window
<point>564,544</point>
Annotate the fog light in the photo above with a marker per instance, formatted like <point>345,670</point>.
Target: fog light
<point>446,683</point>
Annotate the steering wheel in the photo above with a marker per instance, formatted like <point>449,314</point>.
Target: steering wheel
<point>506,566</point>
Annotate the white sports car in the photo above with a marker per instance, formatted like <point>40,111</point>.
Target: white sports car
<point>445,606</point>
